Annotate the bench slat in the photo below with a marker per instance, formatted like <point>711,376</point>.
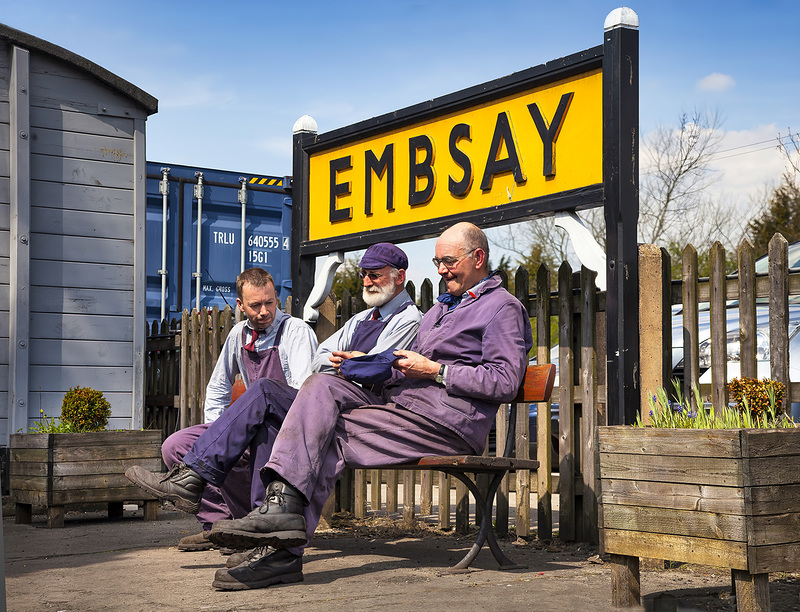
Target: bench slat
<point>466,463</point>
<point>537,384</point>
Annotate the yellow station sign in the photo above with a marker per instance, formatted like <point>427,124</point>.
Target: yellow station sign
<point>535,143</point>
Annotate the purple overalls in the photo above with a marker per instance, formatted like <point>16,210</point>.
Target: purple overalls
<point>233,499</point>
<point>252,423</point>
<point>484,341</point>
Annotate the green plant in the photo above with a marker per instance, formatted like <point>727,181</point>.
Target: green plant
<point>691,413</point>
<point>49,425</point>
<point>85,409</point>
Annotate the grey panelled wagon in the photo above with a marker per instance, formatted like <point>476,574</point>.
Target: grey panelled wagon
<point>72,229</point>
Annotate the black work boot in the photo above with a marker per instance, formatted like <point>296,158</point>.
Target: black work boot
<point>271,567</point>
<point>278,522</point>
<point>246,556</point>
<point>181,485</point>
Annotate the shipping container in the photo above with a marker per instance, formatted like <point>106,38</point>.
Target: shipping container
<point>245,222</point>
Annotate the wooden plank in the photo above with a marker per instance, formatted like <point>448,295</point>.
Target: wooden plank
<point>752,591</point>
<point>657,441</point>
<point>83,249</point>
<point>51,118</point>
<point>80,145</point>
<point>709,471</point>
<point>718,319</point>
<point>774,499</point>
<point>686,496</point>
<point>444,501</point>
<point>81,326</point>
<point>81,223</point>
<point>625,581</point>
<point>84,353</point>
<point>689,523</point>
<point>85,496</point>
<point>82,301</point>
<point>103,378</point>
<point>95,198</point>
<point>771,443</point>
<point>78,274</point>
<point>718,553</point>
<point>567,519</point>
<point>523,490</point>
<point>122,452</point>
<point>88,481</point>
<point>409,495</point>
<point>766,471</point>
<point>544,483</point>
<point>82,172</point>
<point>537,385</point>
<point>774,558</point>
<point>56,84</point>
<point>22,482</point>
<point>774,529</point>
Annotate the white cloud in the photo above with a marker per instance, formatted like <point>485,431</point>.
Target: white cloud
<point>716,81</point>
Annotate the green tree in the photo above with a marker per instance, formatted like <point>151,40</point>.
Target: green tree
<point>781,215</point>
<point>347,278</point>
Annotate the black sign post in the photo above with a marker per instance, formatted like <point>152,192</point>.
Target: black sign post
<point>621,186</point>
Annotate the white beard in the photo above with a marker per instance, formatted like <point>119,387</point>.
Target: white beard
<point>375,296</point>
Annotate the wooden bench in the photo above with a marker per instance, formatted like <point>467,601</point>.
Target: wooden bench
<point>536,387</point>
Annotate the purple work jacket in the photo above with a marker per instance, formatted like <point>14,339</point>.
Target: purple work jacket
<point>484,341</point>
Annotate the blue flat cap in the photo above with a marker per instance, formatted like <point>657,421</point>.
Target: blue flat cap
<point>384,254</point>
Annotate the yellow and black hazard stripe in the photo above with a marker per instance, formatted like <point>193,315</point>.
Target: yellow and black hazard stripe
<point>270,181</point>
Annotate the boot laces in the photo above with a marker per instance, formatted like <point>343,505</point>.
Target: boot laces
<point>274,496</point>
<point>176,469</point>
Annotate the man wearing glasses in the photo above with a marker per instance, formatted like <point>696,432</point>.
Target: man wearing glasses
<point>469,357</point>
<point>252,422</point>
<point>391,321</point>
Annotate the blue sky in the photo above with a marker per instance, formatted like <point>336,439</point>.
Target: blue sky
<point>232,78</point>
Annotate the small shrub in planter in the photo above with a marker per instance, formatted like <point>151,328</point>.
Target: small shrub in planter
<point>82,409</point>
<point>85,409</point>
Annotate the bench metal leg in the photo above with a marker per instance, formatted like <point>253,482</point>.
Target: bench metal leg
<point>485,529</point>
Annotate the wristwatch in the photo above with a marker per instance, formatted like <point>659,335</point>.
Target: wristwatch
<point>439,378</point>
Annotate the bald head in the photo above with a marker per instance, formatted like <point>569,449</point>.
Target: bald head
<point>466,248</point>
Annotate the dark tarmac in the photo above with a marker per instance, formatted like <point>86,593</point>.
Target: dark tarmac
<point>97,564</point>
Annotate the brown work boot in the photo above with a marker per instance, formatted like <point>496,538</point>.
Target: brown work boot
<point>278,522</point>
<point>197,542</point>
<point>262,570</point>
<point>181,485</point>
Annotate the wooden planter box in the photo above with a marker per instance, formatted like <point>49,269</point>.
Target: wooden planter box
<point>57,470</point>
<point>725,498</point>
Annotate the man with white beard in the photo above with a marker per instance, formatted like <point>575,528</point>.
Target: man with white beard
<point>252,422</point>
<point>391,323</point>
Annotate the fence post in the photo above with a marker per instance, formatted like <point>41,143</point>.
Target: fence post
<point>566,407</point>
<point>588,382</point>
<point>653,333</point>
<point>544,428</point>
<point>779,314</point>
<point>689,298</point>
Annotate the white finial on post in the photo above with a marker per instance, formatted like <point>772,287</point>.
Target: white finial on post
<point>622,17</point>
<point>305,123</point>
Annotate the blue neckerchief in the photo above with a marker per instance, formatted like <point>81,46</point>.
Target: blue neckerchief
<point>451,301</point>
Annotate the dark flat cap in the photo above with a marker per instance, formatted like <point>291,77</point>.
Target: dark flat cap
<point>384,254</point>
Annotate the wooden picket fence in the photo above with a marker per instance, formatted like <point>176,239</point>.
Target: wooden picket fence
<point>178,366</point>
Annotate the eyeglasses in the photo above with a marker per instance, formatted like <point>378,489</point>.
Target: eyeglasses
<point>373,276</point>
<point>449,262</point>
